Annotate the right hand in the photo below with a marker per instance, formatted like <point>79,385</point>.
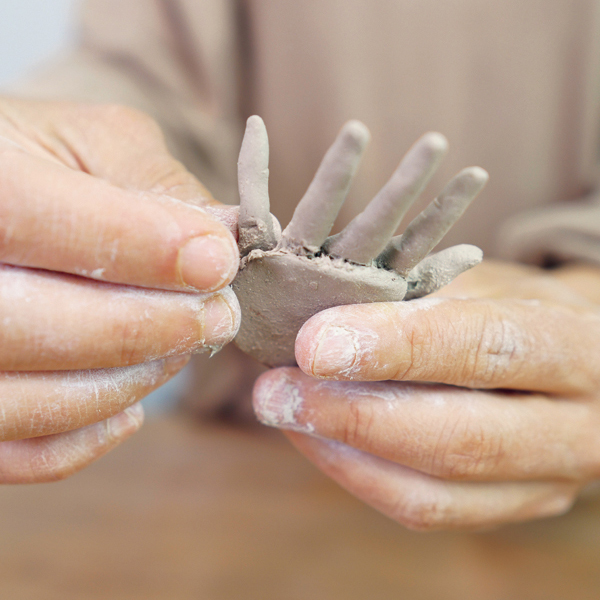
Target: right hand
<point>92,204</point>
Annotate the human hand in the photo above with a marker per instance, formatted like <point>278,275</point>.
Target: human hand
<point>509,431</point>
<point>114,267</point>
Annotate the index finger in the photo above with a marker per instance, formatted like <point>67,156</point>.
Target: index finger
<point>513,344</point>
<point>87,226</point>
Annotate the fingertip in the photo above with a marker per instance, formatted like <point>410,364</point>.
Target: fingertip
<point>256,140</point>
<point>255,122</point>
<point>307,342</point>
<point>276,397</point>
<point>436,142</point>
<point>174,364</point>
<point>136,413</point>
<point>357,133</point>
<point>124,424</point>
<point>261,392</point>
<point>276,227</point>
<point>326,346</point>
<point>356,342</point>
<point>221,319</point>
<point>474,253</point>
<point>477,175</point>
<point>208,263</point>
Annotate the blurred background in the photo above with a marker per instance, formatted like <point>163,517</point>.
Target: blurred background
<point>31,31</point>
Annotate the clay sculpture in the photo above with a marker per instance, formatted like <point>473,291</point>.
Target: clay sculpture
<point>285,278</point>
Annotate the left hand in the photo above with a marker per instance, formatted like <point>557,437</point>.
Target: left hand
<point>509,432</point>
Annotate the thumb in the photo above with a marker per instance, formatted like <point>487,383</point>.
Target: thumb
<point>104,198</point>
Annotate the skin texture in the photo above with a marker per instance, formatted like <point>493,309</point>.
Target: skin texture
<point>115,262</point>
<point>286,278</point>
<point>507,432</point>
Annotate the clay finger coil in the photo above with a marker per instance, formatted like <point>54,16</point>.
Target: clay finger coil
<point>425,232</point>
<point>318,209</point>
<point>290,277</point>
<point>438,270</point>
<point>369,233</point>
<point>255,222</point>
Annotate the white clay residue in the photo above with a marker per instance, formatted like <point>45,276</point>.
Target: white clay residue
<point>280,404</point>
<point>34,403</point>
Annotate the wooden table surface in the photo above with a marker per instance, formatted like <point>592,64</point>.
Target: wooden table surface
<point>203,511</point>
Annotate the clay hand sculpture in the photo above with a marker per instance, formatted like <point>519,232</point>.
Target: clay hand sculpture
<point>285,278</point>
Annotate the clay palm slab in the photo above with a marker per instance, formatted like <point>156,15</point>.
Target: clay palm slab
<point>285,278</point>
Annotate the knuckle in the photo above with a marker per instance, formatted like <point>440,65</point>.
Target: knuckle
<point>132,343</point>
<point>466,450</point>
<point>461,466</point>
<point>168,176</point>
<point>358,425</point>
<point>423,334</point>
<point>498,343</point>
<point>419,338</point>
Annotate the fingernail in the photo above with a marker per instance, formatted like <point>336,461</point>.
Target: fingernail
<point>174,364</point>
<point>336,352</point>
<point>221,319</point>
<point>125,423</point>
<point>278,402</point>
<point>208,262</point>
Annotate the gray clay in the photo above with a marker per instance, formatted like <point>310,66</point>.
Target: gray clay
<point>286,278</point>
